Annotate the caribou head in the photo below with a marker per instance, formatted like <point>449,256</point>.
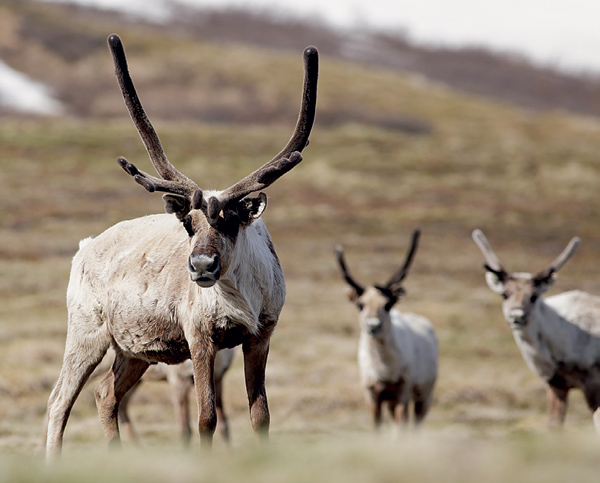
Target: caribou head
<point>520,291</point>
<point>375,302</point>
<point>213,219</point>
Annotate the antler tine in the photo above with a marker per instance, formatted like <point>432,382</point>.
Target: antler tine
<point>492,262</point>
<point>403,271</point>
<point>149,137</point>
<point>559,261</point>
<point>290,155</point>
<point>152,183</point>
<point>339,254</point>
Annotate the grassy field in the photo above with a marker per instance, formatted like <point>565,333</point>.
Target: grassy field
<point>528,180</point>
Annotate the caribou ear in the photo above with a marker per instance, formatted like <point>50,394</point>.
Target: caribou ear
<point>396,291</point>
<point>544,283</point>
<point>494,282</point>
<point>352,294</point>
<point>177,205</point>
<point>251,208</point>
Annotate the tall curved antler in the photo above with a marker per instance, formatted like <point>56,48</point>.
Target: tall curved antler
<point>290,155</point>
<point>492,262</point>
<point>402,272</point>
<point>339,254</point>
<point>173,181</point>
<point>559,261</point>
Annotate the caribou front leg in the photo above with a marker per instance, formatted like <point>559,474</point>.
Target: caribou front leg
<point>256,351</point>
<point>203,355</point>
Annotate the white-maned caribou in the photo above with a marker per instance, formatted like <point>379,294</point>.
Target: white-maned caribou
<point>558,336</point>
<point>177,286</point>
<point>397,351</point>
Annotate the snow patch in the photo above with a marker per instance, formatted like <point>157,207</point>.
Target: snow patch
<point>19,92</point>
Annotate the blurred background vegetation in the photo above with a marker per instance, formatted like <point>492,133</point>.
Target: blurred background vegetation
<point>448,142</point>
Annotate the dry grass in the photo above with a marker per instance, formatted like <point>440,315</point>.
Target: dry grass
<point>424,457</point>
<point>529,181</point>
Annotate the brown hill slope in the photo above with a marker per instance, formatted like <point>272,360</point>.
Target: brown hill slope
<point>36,39</point>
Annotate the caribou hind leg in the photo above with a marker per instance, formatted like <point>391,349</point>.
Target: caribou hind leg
<point>123,375</point>
<point>181,383</point>
<point>82,356</point>
<point>592,397</point>
<point>557,397</point>
<point>423,397</point>
<point>421,409</point>
<point>402,414</point>
<point>376,411</point>
<point>222,421</point>
<point>125,423</point>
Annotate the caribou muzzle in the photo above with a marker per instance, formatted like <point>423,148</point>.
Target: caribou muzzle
<point>517,319</point>
<point>204,268</point>
<point>374,326</point>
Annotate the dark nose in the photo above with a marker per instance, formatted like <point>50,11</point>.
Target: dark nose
<point>204,268</point>
<point>374,326</point>
<point>517,318</point>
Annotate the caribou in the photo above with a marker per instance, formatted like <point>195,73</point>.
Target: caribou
<point>558,336</point>
<point>397,351</point>
<point>166,288</point>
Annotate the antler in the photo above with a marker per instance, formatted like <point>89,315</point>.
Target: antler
<point>290,155</point>
<point>173,181</point>
<point>339,254</point>
<point>492,262</point>
<point>559,261</point>
<point>403,271</point>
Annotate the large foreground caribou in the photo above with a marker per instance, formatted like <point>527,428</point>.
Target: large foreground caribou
<point>558,336</point>
<point>166,288</point>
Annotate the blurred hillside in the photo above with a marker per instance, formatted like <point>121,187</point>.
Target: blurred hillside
<point>69,56</point>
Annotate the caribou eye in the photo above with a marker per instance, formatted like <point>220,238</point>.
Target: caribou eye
<point>360,305</point>
<point>187,224</point>
<point>504,295</point>
<point>534,297</point>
